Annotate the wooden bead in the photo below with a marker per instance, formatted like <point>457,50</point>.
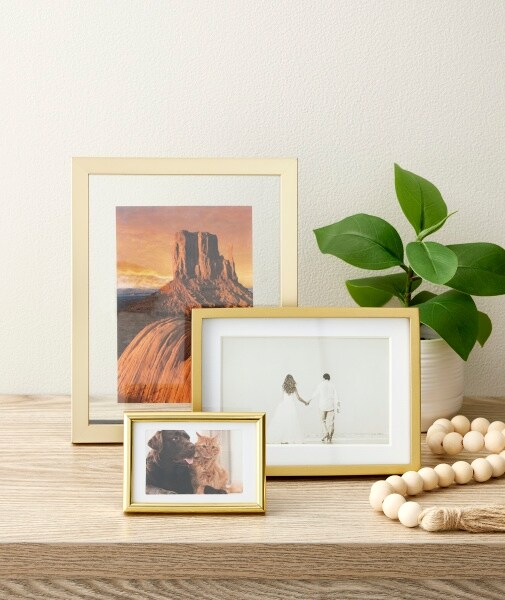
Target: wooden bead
<point>480,424</point>
<point>408,514</point>
<point>435,442</point>
<point>429,477</point>
<point>494,441</point>
<point>463,472</point>
<point>461,424</point>
<point>379,491</point>
<point>497,463</point>
<point>391,505</point>
<point>446,423</point>
<point>414,482</point>
<point>377,485</point>
<point>453,443</point>
<point>498,425</point>
<point>445,474</point>
<point>398,484</point>
<point>434,428</point>
<point>473,441</point>
<point>482,470</point>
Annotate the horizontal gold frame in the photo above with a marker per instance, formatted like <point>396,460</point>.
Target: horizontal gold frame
<point>412,314</point>
<point>286,168</point>
<point>183,507</point>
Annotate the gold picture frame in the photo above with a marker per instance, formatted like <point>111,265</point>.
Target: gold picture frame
<point>85,427</point>
<point>251,498</point>
<point>403,413</point>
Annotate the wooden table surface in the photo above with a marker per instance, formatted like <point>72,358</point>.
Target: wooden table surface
<point>63,533</point>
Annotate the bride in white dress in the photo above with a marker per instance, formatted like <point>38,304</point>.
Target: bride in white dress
<point>285,427</point>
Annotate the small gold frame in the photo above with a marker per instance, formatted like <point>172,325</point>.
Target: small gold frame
<point>84,431</point>
<point>412,314</point>
<point>258,506</point>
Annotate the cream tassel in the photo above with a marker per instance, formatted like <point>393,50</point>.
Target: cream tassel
<point>476,520</point>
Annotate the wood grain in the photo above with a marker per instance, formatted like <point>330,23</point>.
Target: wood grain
<point>251,589</point>
<point>61,517</point>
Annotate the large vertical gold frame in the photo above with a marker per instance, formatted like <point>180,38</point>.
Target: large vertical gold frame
<point>412,314</point>
<point>286,168</point>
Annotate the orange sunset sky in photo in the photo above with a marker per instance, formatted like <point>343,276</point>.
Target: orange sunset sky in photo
<point>145,240</point>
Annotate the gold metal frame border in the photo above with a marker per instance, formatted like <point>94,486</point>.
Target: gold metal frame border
<point>286,168</point>
<point>258,419</point>
<point>412,314</point>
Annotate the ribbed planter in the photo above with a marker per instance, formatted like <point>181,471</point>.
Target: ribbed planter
<point>442,381</point>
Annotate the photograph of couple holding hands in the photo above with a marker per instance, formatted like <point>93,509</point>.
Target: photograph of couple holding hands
<point>322,391</point>
<point>287,424</point>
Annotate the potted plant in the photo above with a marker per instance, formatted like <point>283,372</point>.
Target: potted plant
<point>451,322</point>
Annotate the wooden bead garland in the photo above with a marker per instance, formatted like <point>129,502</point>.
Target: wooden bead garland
<point>449,437</point>
<point>482,434</point>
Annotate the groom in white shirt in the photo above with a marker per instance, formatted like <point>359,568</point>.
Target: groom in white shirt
<point>327,398</point>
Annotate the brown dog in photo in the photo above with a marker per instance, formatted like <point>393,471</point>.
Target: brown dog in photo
<point>167,464</point>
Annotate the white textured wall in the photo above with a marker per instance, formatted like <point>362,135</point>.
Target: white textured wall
<point>348,87</point>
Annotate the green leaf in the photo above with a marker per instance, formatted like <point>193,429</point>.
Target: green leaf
<point>363,241</point>
<point>481,269</point>
<point>376,291</point>
<point>485,328</point>
<point>432,261</point>
<point>422,297</point>
<point>426,232</point>
<point>365,295</point>
<point>454,317</point>
<point>420,200</point>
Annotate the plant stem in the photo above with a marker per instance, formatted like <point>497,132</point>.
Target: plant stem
<point>411,276</point>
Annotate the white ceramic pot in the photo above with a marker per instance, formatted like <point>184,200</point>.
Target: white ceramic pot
<point>442,381</point>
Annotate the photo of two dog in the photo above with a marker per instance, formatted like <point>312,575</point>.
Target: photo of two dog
<point>193,462</point>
